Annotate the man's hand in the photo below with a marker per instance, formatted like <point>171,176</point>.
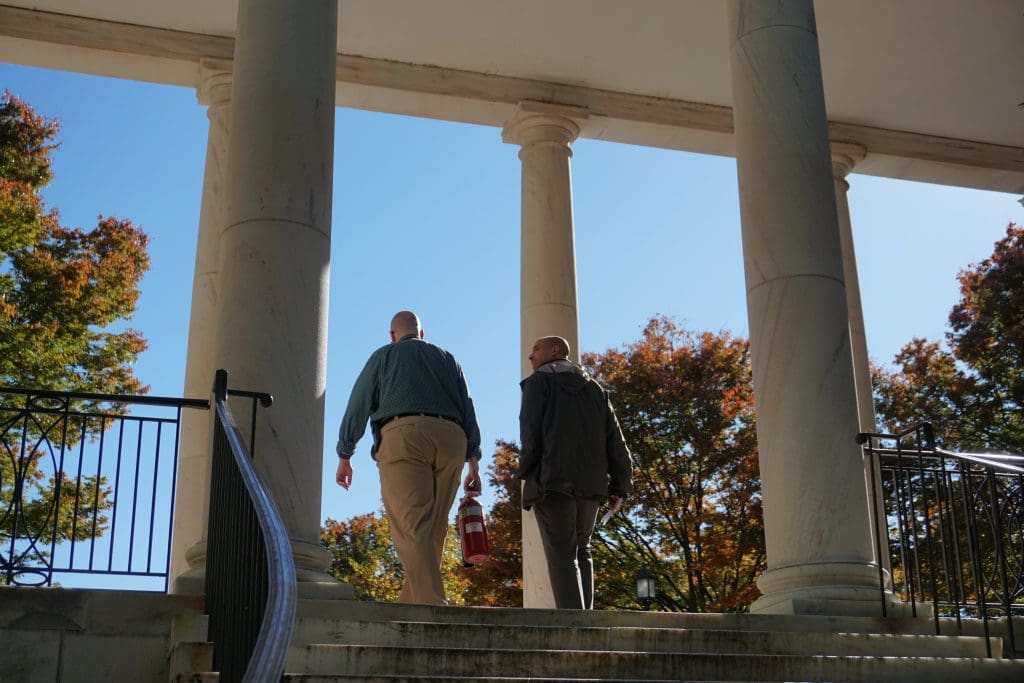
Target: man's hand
<point>614,505</point>
<point>472,481</point>
<point>344,474</point>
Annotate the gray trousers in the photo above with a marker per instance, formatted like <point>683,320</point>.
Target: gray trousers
<point>566,524</point>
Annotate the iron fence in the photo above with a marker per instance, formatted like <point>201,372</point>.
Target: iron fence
<point>87,486</point>
<point>954,526</point>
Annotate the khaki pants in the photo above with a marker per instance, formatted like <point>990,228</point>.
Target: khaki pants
<point>420,461</point>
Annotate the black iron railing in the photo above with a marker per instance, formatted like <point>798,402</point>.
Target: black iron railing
<point>87,486</point>
<point>250,575</point>
<point>954,526</point>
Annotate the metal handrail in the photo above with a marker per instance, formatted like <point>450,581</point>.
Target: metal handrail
<point>998,461</point>
<point>111,398</point>
<point>266,660</point>
<point>958,519</point>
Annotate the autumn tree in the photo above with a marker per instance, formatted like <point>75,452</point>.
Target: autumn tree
<point>685,403</point>
<point>972,387</point>
<point>60,290</point>
<point>363,555</point>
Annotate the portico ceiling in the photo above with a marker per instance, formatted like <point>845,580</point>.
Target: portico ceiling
<point>930,87</point>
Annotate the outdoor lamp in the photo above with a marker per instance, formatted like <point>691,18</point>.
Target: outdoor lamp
<point>645,593</point>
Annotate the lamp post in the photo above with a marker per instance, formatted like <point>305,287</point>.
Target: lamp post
<point>645,591</point>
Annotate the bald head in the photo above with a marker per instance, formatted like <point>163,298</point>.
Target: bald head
<point>547,349</point>
<point>559,346</point>
<point>403,323</point>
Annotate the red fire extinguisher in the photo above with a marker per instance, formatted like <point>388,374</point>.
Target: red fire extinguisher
<point>473,531</point>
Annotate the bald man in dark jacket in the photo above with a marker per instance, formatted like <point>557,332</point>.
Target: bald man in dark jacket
<point>573,459</point>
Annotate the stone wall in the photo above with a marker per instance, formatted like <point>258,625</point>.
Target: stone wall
<point>58,635</point>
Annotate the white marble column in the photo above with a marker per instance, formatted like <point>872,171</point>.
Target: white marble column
<point>548,269</point>
<point>275,248</point>
<point>820,557</point>
<point>844,157</point>
<point>192,498</point>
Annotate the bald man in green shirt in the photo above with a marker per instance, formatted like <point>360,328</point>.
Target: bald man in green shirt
<point>424,430</point>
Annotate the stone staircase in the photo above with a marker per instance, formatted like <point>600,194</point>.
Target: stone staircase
<point>53,635</point>
<point>358,641</point>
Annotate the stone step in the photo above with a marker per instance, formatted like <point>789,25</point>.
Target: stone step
<point>340,640</point>
<point>188,656</point>
<point>189,627</point>
<point>302,678</point>
<point>358,610</point>
<point>212,677</point>
<point>359,660</point>
<point>337,630</point>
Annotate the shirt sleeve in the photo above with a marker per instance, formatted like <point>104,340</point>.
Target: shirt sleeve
<point>531,418</point>
<point>361,403</point>
<point>468,418</point>
<point>620,464</point>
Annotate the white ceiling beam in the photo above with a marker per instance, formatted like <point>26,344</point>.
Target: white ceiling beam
<point>482,91</point>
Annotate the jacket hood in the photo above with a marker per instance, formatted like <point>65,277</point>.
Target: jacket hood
<point>567,375</point>
<point>563,365</point>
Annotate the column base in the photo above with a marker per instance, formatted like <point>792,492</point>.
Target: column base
<point>314,583</point>
<point>826,589</point>
<point>844,608</point>
<point>193,580</point>
<point>311,563</point>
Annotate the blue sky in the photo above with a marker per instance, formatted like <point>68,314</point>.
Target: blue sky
<point>426,217</point>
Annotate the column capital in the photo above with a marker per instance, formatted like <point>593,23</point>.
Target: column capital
<point>215,78</point>
<point>540,122</point>
<point>846,155</point>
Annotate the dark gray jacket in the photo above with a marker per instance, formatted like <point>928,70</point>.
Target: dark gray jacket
<point>571,440</point>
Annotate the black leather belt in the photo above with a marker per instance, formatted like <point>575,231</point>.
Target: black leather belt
<point>395,417</point>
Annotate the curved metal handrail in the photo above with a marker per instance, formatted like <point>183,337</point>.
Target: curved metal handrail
<point>268,656</point>
<point>999,461</point>
<point>1006,462</point>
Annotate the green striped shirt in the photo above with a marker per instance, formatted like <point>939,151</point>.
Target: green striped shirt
<point>408,376</point>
